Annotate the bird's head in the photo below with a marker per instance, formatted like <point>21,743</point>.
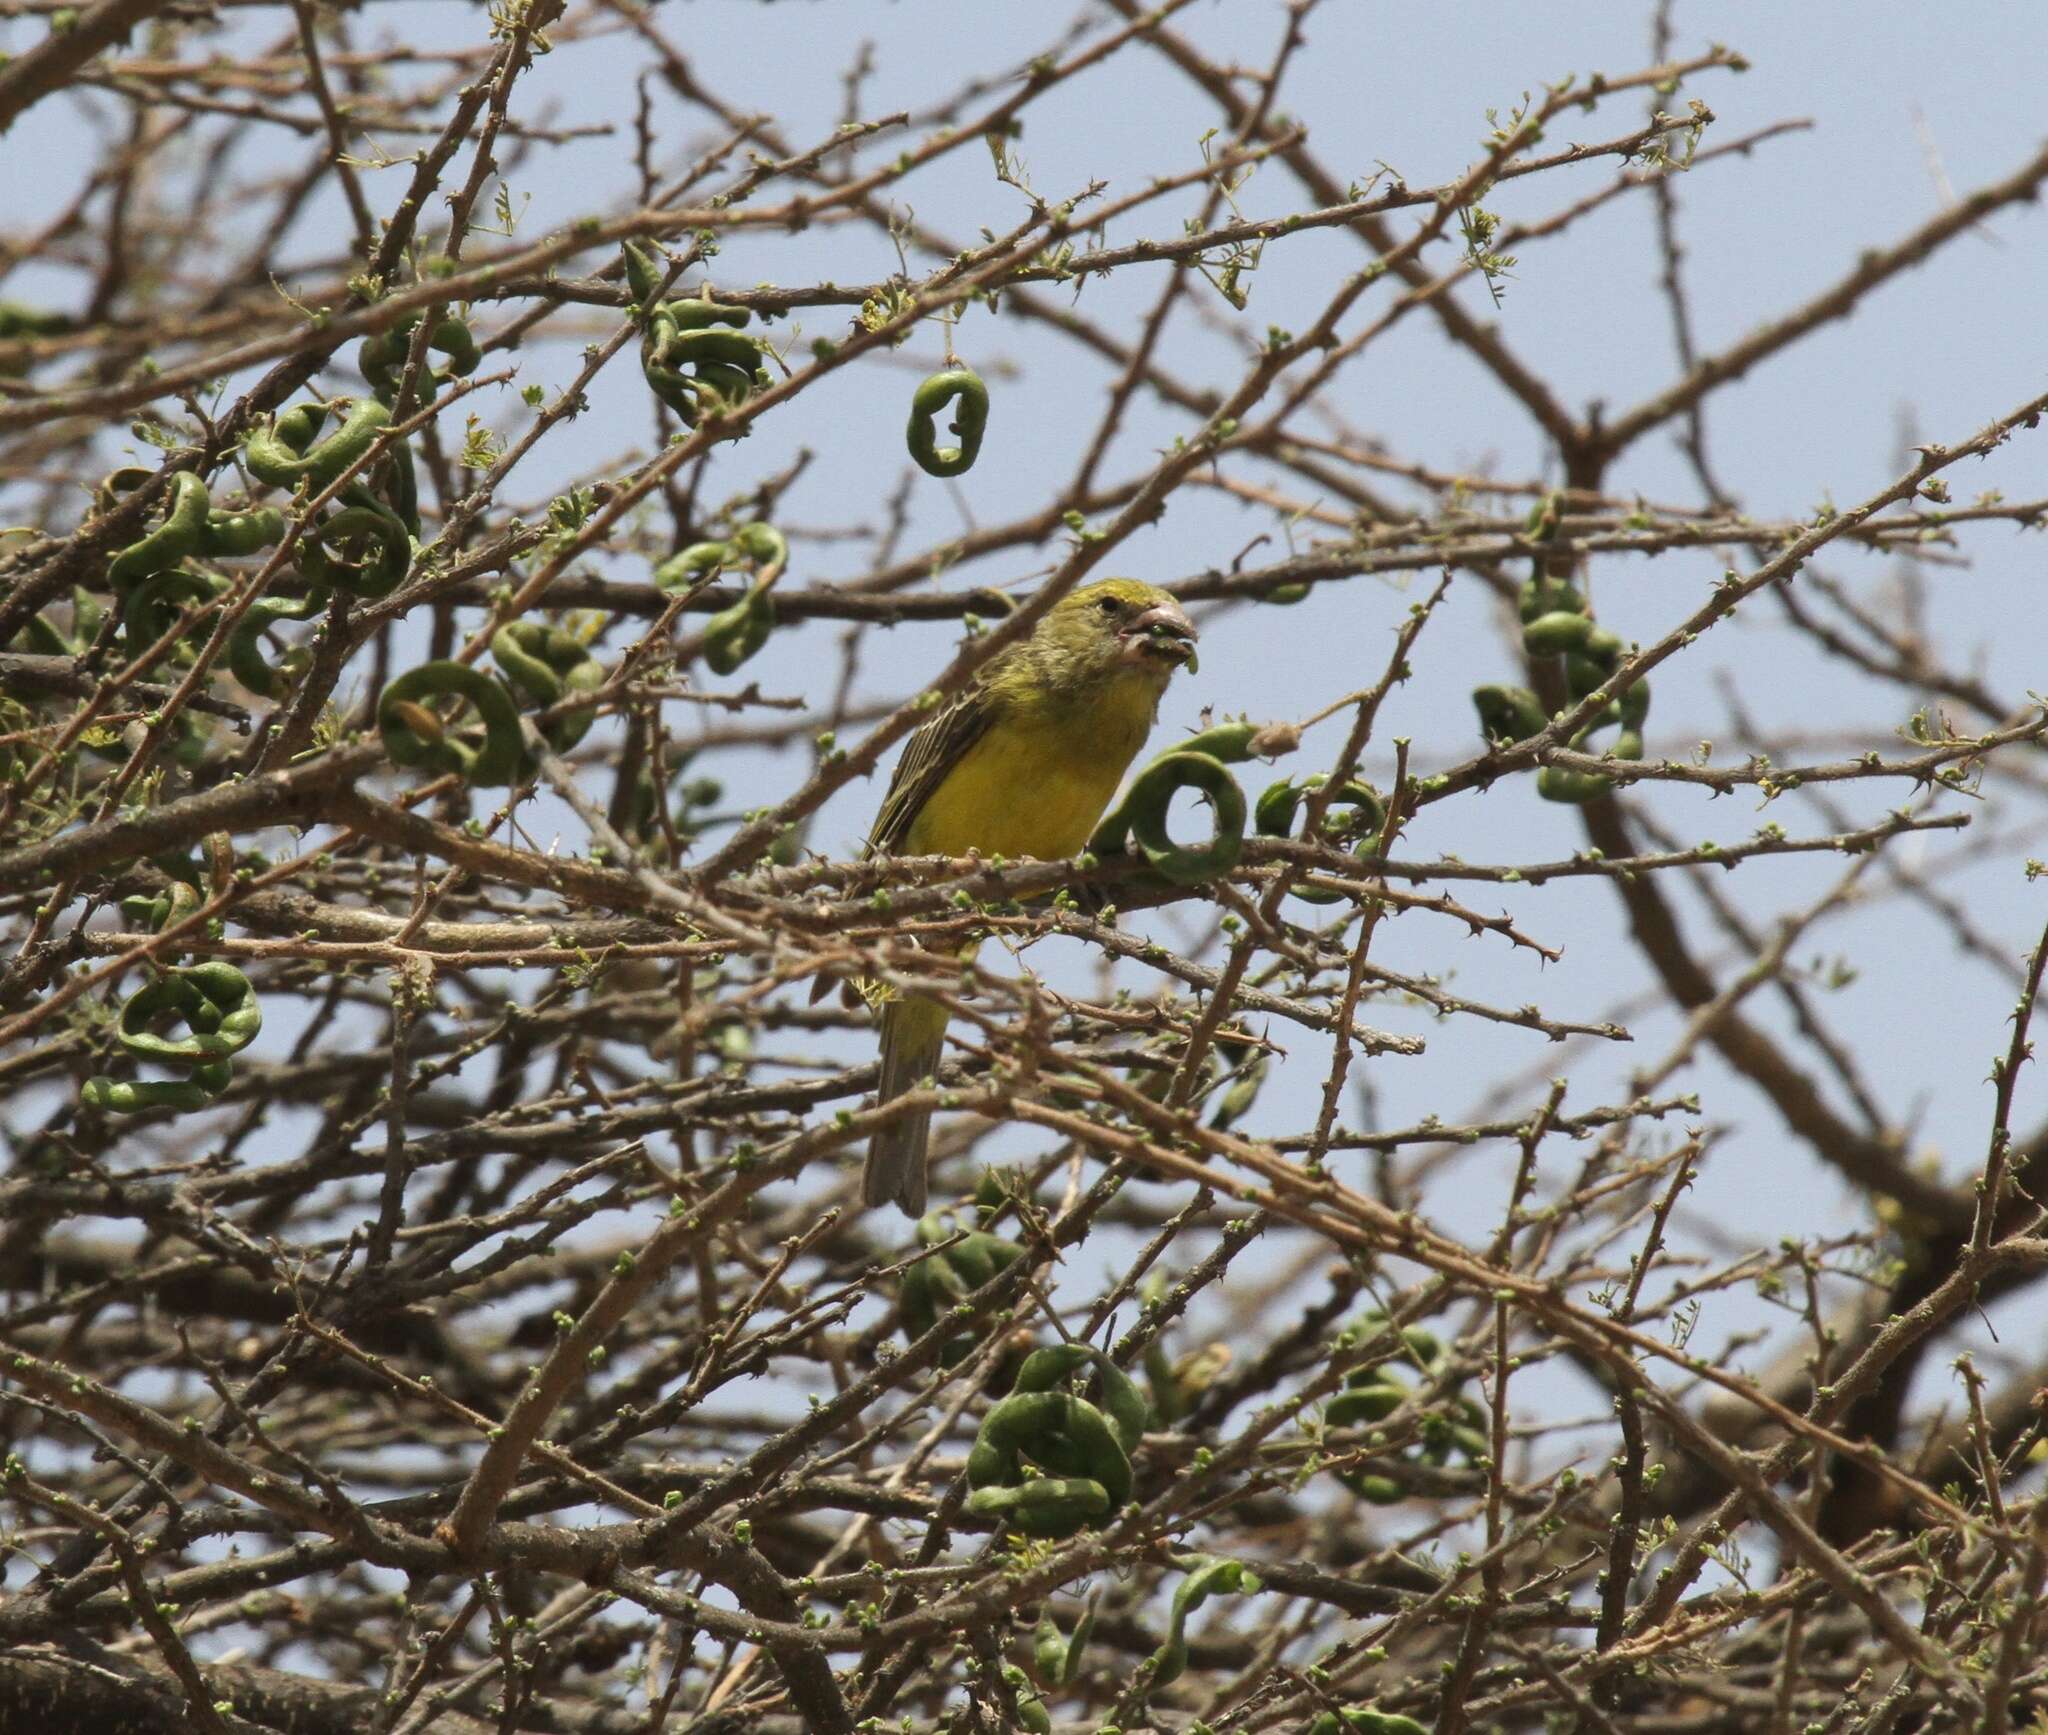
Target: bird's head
<point>1116,626</point>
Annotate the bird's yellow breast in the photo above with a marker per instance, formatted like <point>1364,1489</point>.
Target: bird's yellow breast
<point>1038,779</point>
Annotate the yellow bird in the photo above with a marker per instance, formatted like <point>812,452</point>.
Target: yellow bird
<point>1022,763</point>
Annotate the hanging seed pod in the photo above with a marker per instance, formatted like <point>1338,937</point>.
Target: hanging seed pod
<point>175,539</point>
<point>970,420</point>
<point>222,1017</point>
<point>1207,1576</point>
<point>545,665</point>
<point>363,549</point>
<point>287,450</point>
<point>248,646</point>
<point>382,357</point>
<point>1082,1450</point>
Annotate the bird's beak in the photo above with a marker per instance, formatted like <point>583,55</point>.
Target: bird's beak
<point>1162,633</point>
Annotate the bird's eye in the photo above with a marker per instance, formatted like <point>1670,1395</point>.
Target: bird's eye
<point>1109,605</point>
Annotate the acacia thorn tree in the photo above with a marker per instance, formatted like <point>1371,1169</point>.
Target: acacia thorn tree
<point>1473,1206</point>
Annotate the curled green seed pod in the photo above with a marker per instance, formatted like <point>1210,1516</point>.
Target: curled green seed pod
<point>681,571</point>
<point>1208,1576</point>
<point>1117,1394</point>
<point>159,912</point>
<point>1057,1656</point>
<point>1141,818</point>
<point>1355,814</point>
<point>47,639</point>
<point>1556,783</point>
<point>1082,1450</point>
<point>696,315</point>
<point>153,606</point>
<point>1544,595</point>
<point>1372,1394</point>
<point>248,648</point>
<point>171,541</point>
<point>1367,817</point>
<point>136,1096</point>
<point>761,543</point>
<point>716,345</point>
<point>1088,1474</point>
<point>733,635</point>
<point>547,665</point>
<point>382,356</point>
<point>1555,623</point>
<point>643,276</point>
<point>1229,742</point>
<point>945,1278</point>
<point>1508,714</point>
<point>415,735</point>
<point>1236,1102</point>
<point>718,386</point>
<point>1584,674</point>
<point>232,533</point>
<point>118,483</point>
<point>1285,594</point>
<point>1420,1348</point>
<point>726,367</point>
<point>1372,1401</point>
<point>970,420</point>
<point>285,451</point>
<point>363,549</point>
<point>1554,635</point>
<point>214,1000</point>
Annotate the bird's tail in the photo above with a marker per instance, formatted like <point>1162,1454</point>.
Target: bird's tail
<point>913,1032</point>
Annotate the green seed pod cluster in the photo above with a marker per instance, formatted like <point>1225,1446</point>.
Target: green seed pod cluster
<point>1375,1393</point>
<point>733,635</point>
<point>692,352</point>
<point>545,665</point>
<point>1555,623</point>
<point>153,605</point>
<point>944,1279</point>
<point>382,358</point>
<point>970,421</point>
<point>1047,1462</point>
<point>366,547</point>
<point>1355,815</point>
<point>154,581</point>
<point>221,1016</point>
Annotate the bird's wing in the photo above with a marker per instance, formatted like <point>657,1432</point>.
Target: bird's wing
<point>934,750</point>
